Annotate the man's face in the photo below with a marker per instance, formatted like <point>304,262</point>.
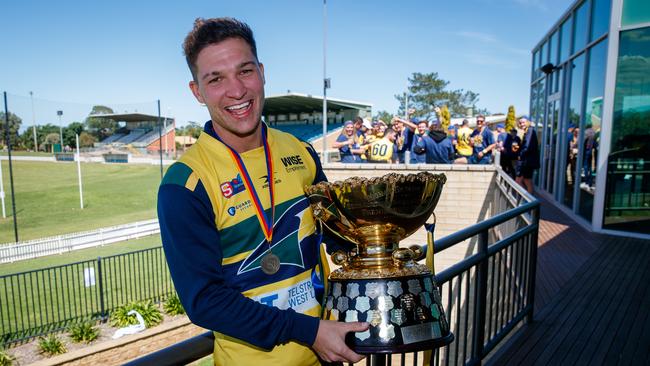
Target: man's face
<point>422,128</point>
<point>358,125</point>
<point>480,122</point>
<point>522,123</point>
<point>230,82</point>
<point>391,136</point>
<point>397,126</point>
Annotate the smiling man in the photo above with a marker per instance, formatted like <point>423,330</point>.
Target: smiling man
<point>237,230</point>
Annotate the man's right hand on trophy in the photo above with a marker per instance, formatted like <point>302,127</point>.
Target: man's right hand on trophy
<point>330,341</point>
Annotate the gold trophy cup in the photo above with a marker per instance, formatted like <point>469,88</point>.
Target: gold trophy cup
<point>378,282</point>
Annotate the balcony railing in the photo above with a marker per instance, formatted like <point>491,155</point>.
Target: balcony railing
<point>486,295</point>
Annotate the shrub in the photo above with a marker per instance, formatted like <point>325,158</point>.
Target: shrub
<point>149,312</point>
<point>5,358</point>
<point>83,332</point>
<point>51,345</point>
<point>173,305</point>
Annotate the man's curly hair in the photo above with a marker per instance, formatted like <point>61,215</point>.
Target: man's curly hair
<point>211,31</point>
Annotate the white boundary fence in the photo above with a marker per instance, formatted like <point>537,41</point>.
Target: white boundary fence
<point>69,242</point>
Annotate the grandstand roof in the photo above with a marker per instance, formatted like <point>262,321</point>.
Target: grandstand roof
<point>306,103</point>
<point>129,117</point>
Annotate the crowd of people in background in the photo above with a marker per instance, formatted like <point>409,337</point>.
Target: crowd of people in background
<point>422,141</point>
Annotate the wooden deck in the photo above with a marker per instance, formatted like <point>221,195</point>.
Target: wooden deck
<point>592,299</point>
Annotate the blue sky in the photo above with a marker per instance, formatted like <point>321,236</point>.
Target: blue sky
<point>74,54</point>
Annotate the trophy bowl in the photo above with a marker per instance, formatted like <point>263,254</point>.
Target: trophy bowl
<point>377,281</point>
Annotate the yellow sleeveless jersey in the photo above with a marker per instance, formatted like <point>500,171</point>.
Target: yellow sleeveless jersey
<point>380,150</point>
<point>464,147</point>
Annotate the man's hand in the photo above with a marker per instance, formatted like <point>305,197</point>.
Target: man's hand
<point>330,341</point>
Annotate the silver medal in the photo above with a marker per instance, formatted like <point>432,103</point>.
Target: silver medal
<point>270,264</point>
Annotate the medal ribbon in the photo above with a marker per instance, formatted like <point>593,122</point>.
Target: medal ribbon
<point>265,222</point>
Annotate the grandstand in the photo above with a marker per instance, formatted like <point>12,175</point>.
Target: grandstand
<point>302,115</point>
<point>141,133</point>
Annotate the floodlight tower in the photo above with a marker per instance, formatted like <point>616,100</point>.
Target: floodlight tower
<point>31,96</point>
<point>60,113</point>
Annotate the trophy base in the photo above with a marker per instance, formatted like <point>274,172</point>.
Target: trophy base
<point>405,313</point>
<point>399,348</point>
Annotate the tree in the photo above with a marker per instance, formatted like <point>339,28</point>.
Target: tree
<point>49,140</point>
<point>191,129</point>
<point>70,132</point>
<point>510,118</point>
<point>14,126</point>
<point>426,91</point>
<point>99,126</point>
<point>384,116</point>
<point>86,139</point>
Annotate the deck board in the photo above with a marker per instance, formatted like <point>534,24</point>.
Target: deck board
<point>592,299</point>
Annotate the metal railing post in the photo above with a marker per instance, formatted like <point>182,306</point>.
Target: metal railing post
<point>100,279</point>
<point>533,266</point>
<point>481,298</point>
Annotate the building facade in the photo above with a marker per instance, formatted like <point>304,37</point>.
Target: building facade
<point>590,101</point>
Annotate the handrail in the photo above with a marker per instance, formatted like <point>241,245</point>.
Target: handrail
<point>483,340</point>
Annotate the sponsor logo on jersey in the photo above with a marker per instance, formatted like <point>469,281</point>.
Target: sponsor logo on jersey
<point>233,187</point>
<point>232,210</point>
<point>265,178</point>
<point>292,163</point>
<point>300,297</point>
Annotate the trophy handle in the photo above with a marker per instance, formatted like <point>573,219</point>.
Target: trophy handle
<point>430,244</point>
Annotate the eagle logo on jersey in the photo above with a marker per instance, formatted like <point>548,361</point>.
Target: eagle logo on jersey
<point>292,236</point>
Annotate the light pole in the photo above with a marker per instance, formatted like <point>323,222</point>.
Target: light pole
<point>326,81</point>
<point>60,113</point>
<point>31,96</point>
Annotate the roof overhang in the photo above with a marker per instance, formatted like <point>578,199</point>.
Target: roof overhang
<point>305,103</point>
<point>129,117</point>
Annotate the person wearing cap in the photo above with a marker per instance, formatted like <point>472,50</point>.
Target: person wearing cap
<point>500,135</point>
<point>482,142</point>
<point>451,135</point>
<point>348,144</point>
<point>463,147</point>
<point>528,158</point>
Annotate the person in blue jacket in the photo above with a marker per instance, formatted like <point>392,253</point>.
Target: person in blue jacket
<point>482,142</point>
<point>438,148</point>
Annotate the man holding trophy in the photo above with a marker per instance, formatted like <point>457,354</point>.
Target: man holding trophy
<point>238,232</point>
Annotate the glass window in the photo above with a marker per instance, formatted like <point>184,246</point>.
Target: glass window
<point>536,65</point>
<point>627,195</point>
<point>600,18</point>
<point>544,57</point>
<point>572,131</point>
<point>580,28</point>
<point>635,12</point>
<point>554,47</point>
<point>591,126</point>
<point>565,42</point>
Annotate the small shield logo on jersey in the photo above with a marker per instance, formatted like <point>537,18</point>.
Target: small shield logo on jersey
<point>231,211</point>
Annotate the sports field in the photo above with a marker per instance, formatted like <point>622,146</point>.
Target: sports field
<point>47,197</point>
